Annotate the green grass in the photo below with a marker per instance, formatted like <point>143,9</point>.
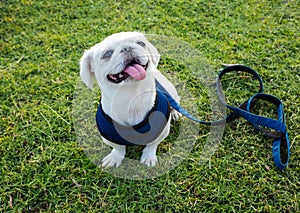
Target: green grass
<point>43,168</point>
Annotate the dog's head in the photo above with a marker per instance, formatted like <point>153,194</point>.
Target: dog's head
<point>121,58</point>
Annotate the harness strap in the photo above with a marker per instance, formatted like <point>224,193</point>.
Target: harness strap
<point>281,145</point>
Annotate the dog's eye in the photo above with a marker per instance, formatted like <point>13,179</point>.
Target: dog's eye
<point>107,54</point>
<point>142,44</point>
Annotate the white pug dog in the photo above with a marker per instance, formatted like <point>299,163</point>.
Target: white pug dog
<point>125,67</point>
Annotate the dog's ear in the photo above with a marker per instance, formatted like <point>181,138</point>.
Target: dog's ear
<point>86,72</point>
<point>154,53</point>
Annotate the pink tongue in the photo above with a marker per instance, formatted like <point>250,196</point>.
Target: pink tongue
<point>136,71</point>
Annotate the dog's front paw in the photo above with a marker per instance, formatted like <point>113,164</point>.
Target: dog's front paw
<point>112,159</point>
<point>175,115</point>
<point>149,160</point>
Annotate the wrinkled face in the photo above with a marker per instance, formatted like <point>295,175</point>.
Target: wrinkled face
<point>122,58</point>
<point>125,60</point>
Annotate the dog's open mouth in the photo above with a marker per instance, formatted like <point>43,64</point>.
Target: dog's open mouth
<point>133,70</point>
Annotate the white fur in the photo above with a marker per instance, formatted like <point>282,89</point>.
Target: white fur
<point>129,101</point>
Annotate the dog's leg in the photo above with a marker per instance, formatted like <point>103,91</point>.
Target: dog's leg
<point>175,115</point>
<point>149,157</point>
<point>116,156</point>
<point>149,154</point>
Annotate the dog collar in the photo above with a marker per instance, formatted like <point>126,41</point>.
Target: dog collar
<point>140,134</point>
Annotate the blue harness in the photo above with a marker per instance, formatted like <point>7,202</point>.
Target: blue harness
<point>140,134</point>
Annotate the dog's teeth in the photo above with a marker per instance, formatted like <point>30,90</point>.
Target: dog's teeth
<point>113,77</point>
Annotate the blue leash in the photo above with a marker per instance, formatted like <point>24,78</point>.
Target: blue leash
<point>281,144</point>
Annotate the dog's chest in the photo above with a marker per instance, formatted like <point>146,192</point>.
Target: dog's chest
<point>129,109</point>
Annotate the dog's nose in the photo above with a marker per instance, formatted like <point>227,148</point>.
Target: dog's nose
<point>126,49</point>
